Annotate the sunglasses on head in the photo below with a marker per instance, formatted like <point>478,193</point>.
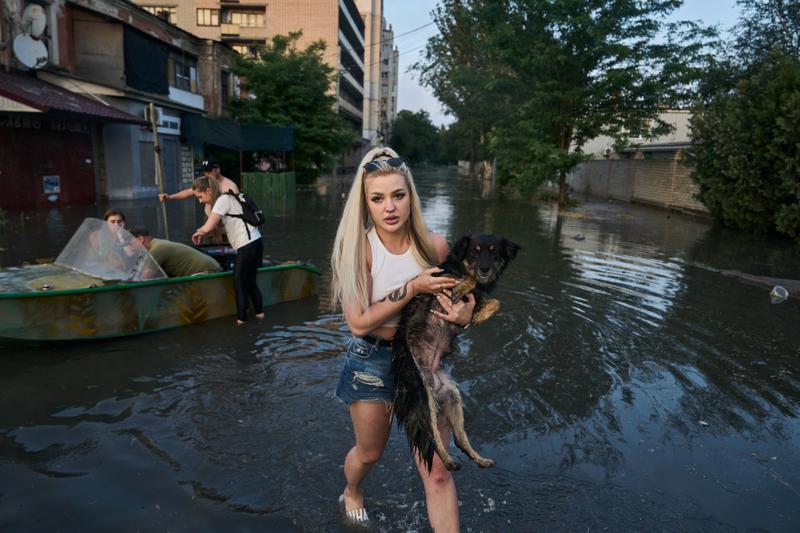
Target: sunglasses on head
<point>395,162</point>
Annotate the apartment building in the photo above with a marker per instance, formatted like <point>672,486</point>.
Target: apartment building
<point>242,23</point>
<point>372,13</point>
<point>388,87</point>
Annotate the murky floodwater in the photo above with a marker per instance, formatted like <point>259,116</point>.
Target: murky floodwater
<point>625,386</point>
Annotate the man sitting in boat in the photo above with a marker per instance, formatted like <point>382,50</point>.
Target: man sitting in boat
<point>174,258</point>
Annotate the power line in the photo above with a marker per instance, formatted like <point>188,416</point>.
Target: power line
<point>394,37</point>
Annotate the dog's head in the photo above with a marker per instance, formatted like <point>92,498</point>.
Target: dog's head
<point>484,257</point>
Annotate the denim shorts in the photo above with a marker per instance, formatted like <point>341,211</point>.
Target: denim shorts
<point>367,373</point>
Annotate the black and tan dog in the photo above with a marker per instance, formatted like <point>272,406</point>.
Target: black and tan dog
<point>424,392</point>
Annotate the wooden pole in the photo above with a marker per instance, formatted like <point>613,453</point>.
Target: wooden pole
<point>159,168</point>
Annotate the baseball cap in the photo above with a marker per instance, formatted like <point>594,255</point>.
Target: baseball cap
<point>209,164</point>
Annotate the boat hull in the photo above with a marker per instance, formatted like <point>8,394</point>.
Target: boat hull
<point>142,307</point>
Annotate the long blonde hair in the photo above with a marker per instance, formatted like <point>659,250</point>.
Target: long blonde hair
<point>349,285</point>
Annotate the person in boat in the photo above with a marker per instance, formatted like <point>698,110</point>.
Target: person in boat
<point>175,259</point>
<point>383,255</point>
<point>108,247</point>
<point>244,238</point>
<point>210,169</point>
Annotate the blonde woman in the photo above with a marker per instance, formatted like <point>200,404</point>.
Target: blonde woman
<point>246,239</point>
<point>383,256</point>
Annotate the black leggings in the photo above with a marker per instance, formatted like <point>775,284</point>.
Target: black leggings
<point>248,259</point>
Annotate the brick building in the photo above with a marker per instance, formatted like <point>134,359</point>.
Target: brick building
<point>103,55</point>
<point>243,23</point>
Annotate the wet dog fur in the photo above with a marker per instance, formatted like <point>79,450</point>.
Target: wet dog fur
<point>424,393</point>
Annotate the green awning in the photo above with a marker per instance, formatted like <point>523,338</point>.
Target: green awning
<point>235,136</point>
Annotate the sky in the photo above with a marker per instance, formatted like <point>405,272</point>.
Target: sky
<point>410,21</point>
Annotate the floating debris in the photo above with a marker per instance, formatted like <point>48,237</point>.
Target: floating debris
<point>578,237</point>
<point>703,423</point>
<point>572,214</point>
<point>779,294</point>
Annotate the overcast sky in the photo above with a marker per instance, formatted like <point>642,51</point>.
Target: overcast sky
<point>410,20</point>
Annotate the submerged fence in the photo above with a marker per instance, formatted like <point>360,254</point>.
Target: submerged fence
<point>274,192</point>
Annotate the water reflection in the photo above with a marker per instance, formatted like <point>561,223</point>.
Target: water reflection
<point>625,385</point>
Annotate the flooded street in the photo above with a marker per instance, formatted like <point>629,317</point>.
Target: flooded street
<point>626,385</point>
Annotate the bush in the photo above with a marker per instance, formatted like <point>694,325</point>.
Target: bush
<point>745,150</point>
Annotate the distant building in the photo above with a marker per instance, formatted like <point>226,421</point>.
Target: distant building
<point>388,89</point>
<point>372,13</point>
<point>244,23</point>
<point>82,112</point>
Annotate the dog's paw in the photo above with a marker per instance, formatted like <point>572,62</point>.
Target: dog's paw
<point>484,463</point>
<point>451,465</point>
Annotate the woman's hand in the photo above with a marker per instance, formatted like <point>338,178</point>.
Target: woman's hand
<point>426,282</point>
<point>459,313</point>
<point>197,237</point>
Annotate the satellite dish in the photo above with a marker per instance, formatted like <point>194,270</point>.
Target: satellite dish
<point>34,19</point>
<point>29,51</point>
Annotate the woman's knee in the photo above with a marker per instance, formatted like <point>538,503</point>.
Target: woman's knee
<point>439,477</point>
<point>369,456</point>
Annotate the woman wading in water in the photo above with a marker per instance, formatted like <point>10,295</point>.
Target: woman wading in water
<point>383,256</point>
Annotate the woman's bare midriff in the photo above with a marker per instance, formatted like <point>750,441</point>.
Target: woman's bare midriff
<point>384,332</point>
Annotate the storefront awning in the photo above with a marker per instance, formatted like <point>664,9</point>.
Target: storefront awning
<point>24,93</point>
<point>236,136</point>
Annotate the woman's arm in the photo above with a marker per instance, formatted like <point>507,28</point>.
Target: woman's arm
<point>362,322</point>
<point>211,223</point>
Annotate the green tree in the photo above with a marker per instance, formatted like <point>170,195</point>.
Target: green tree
<point>455,68</point>
<point>414,137</point>
<point>550,75</point>
<point>291,87</point>
<point>745,150</point>
<point>765,25</point>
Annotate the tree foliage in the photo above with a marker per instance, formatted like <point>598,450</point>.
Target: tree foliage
<point>538,78</point>
<point>766,25</point>
<point>746,150</point>
<point>414,136</point>
<point>291,87</point>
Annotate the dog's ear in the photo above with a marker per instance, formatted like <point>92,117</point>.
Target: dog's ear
<point>510,249</point>
<point>459,249</point>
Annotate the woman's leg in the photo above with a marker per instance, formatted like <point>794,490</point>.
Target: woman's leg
<point>239,280</point>
<point>371,425</point>
<point>440,492</point>
<point>252,277</point>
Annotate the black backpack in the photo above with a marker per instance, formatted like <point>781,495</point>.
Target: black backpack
<point>251,213</point>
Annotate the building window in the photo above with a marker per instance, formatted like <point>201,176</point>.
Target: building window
<point>168,13</point>
<point>208,17</point>
<point>245,19</point>
<point>182,72</point>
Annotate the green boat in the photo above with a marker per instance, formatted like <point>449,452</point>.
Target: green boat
<point>105,284</point>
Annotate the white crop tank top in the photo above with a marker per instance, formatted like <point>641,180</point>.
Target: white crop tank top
<point>389,271</point>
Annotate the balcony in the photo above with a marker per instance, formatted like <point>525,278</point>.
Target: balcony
<point>230,29</point>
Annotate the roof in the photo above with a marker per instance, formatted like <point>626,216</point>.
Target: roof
<point>45,97</point>
<point>658,147</point>
<point>236,136</point>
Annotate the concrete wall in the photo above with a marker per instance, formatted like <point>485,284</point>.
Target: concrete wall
<point>662,180</point>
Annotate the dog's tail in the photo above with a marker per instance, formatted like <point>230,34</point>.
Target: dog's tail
<point>411,405</point>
